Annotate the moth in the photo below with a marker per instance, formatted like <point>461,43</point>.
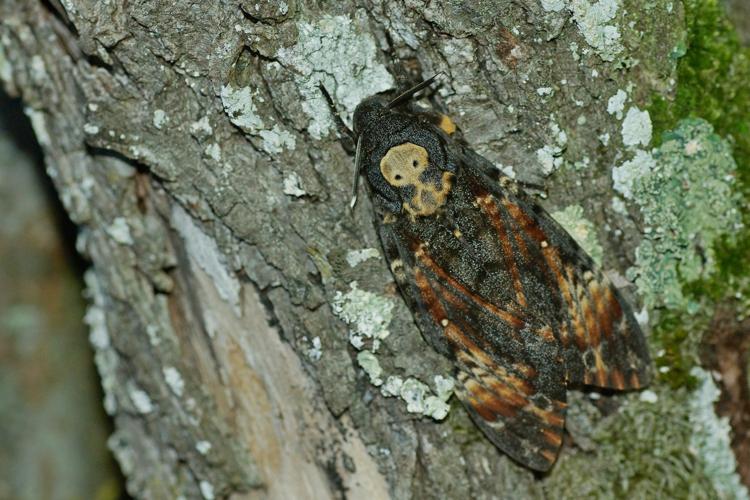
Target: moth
<point>494,283</point>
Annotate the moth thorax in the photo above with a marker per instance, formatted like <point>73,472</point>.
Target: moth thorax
<point>403,167</point>
<point>404,164</point>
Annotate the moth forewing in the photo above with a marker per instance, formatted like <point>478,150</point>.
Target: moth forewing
<point>493,282</point>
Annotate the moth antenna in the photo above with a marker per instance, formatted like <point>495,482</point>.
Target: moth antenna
<point>406,95</point>
<point>340,125</point>
<point>355,183</point>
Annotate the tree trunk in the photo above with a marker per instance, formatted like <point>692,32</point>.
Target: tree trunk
<point>248,334</point>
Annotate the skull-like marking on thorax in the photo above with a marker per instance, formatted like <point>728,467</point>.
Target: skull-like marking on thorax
<point>403,166</point>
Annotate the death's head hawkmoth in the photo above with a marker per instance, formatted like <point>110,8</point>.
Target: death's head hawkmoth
<point>493,282</point>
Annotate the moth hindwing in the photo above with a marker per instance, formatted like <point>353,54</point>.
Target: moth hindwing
<point>493,281</point>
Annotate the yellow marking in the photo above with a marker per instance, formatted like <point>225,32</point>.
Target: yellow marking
<point>397,268</point>
<point>428,198</point>
<point>389,218</point>
<point>403,166</point>
<point>549,456</point>
<point>457,233</point>
<point>618,381</point>
<point>546,333</point>
<point>525,370</point>
<point>544,244</point>
<point>553,437</point>
<point>447,125</point>
<point>601,369</point>
<point>550,417</point>
<point>444,322</point>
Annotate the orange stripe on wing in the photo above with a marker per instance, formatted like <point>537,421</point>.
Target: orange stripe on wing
<point>589,317</point>
<point>486,200</point>
<point>618,381</point>
<point>465,346</point>
<point>527,225</point>
<point>552,258</point>
<point>487,404</point>
<point>554,264</point>
<point>549,456</point>
<point>593,307</point>
<point>495,375</point>
<point>426,260</point>
<point>612,308</point>
<point>430,299</point>
<point>575,308</point>
<point>600,293</point>
<point>553,417</point>
<point>553,436</point>
<point>597,299</point>
<point>601,368</point>
<point>490,208</point>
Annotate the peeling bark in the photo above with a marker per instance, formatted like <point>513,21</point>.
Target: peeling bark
<point>190,145</point>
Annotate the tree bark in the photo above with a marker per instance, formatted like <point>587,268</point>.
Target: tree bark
<point>233,300</point>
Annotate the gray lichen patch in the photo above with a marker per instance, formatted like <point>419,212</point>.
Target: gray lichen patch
<point>596,22</point>
<point>334,51</point>
<point>636,128</point>
<point>550,156</point>
<point>712,437</point>
<point>684,191</point>
<point>356,257</point>
<point>370,364</point>
<point>240,106</point>
<point>120,231</point>
<point>292,185</point>
<point>174,380</point>
<point>581,229</point>
<point>616,103</point>
<point>418,396</point>
<point>160,118</point>
<point>367,314</point>
<point>105,356</point>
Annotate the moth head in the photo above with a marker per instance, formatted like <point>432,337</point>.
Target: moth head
<point>403,158</point>
<point>402,154</point>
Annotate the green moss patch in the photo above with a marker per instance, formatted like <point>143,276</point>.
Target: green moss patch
<point>712,84</point>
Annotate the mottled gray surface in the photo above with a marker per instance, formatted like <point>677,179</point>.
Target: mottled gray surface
<point>191,146</point>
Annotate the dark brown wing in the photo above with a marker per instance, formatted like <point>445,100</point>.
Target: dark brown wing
<point>603,344</point>
<point>510,374</point>
<point>496,284</point>
<point>601,341</point>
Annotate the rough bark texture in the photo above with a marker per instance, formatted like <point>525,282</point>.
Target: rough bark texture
<point>191,146</point>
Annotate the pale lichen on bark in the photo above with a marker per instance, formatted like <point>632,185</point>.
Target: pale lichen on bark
<point>194,149</point>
